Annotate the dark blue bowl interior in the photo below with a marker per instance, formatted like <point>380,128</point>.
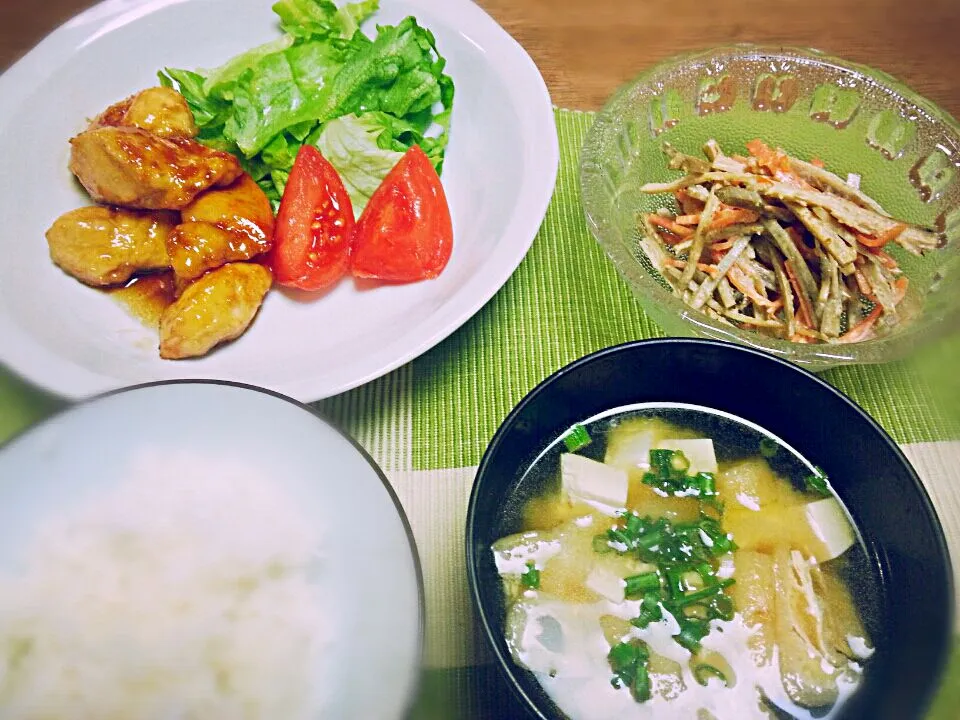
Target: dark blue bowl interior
<point>904,540</point>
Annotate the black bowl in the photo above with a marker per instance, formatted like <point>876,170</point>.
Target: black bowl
<point>903,537</point>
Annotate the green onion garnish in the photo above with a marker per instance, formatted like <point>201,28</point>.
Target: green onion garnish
<point>704,671</point>
<point>679,463</point>
<point>691,633</point>
<point>649,611</point>
<point>706,483</point>
<point>601,545</point>
<point>641,584</point>
<point>769,447</point>
<point>660,462</point>
<point>685,582</point>
<point>668,474</point>
<point>702,594</point>
<point>623,656</point>
<point>577,438</point>
<point>817,482</point>
<point>640,688</point>
<point>720,607</point>
<point>531,578</point>
<point>628,660</point>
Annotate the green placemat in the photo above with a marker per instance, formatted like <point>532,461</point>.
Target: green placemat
<point>564,301</point>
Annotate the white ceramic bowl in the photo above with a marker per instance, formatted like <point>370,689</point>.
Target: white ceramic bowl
<point>498,174</point>
<point>369,574</point>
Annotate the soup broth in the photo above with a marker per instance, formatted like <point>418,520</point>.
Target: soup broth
<point>676,562</point>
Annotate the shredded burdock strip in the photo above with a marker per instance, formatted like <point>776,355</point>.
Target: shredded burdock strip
<point>779,245</point>
<point>699,238</point>
<point>709,285</point>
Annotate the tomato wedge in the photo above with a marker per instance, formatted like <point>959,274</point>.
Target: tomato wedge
<point>314,227</point>
<point>405,233</point>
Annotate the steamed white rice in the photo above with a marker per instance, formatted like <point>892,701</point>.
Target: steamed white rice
<point>187,593</point>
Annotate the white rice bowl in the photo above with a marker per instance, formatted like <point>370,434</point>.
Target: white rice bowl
<point>190,591</point>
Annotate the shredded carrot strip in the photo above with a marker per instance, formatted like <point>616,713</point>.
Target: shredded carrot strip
<point>798,338</point>
<point>726,216</point>
<point>677,263</point>
<point>688,219</point>
<point>722,244</point>
<point>762,152</point>
<point>817,162</point>
<point>900,285</point>
<point>805,315</point>
<point>880,240</point>
<point>689,205</point>
<point>681,232</point>
<point>742,282</point>
<point>862,330</point>
<point>862,283</point>
<point>775,162</point>
<point>885,259</point>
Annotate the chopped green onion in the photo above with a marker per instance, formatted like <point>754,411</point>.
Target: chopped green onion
<point>706,483</point>
<point>577,438</point>
<point>721,607</point>
<point>640,687</point>
<point>817,482</point>
<point>531,578</point>
<point>704,671</point>
<point>649,611</point>
<point>641,584</point>
<point>623,656</point>
<point>668,474</point>
<point>702,594</point>
<point>679,464</point>
<point>685,582</point>
<point>601,544</point>
<point>691,633</point>
<point>628,660</point>
<point>619,536</point>
<point>649,540</point>
<point>660,461</point>
<point>675,582</point>
<point>769,447</point>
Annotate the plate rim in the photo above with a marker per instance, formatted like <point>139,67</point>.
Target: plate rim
<point>63,376</point>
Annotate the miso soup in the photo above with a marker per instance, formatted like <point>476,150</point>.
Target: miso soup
<point>672,561</point>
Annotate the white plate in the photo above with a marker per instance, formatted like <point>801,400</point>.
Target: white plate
<point>499,174</point>
<point>370,576</point>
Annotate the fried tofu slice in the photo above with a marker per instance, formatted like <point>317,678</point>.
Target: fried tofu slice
<point>105,246</point>
<point>134,168</point>
<point>158,110</point>
<point>213,309</point>
<point>221,226</point>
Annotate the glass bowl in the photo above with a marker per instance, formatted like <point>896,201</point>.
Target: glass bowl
<point>854,118</point>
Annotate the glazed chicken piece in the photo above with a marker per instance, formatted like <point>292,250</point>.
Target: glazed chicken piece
<point>221,226</point>
<point>213,309</point>
<point>134,168</point>
<point>159,110</point>
<point>105,246</point>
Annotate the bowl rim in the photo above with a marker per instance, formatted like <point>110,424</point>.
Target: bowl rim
<point>504,663</point>
<point>318,415</point>
<point>819,356</point>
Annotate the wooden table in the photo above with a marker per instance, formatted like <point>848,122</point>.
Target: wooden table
<point>586,48</point>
